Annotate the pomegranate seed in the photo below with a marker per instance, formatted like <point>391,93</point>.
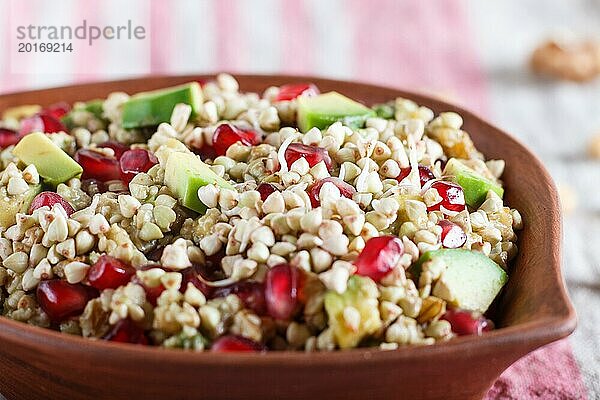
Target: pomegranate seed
<point>152,293</point>
<point>205,152</point>
<point>313,190</point>
<point>234,343</point>
<point>293,90</point>
<point>136,161</point>
<point>464,322</point>
<point>251,293</point>
<point>265,189</point>
<point>210,270</point>
<point>49,199</point>
<point>380,255</point>
<point>98,166</point>
<point>109,273</point>
<point>312,154</point>
<point>225,135</point>
<point>118,148</point>
<point>127,331</point>
<point>31,124</point>
<point>453,236</point>
<point>453,197</point>
<point>282,286</point>
<point>425,174</point>
<point>8,137</point>
<point>61,300</point>
<point>57,110</point>
<point>41,123</point>
<point>190,275</point>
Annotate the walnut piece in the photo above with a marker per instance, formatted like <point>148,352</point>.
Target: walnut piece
<point>575,61</point>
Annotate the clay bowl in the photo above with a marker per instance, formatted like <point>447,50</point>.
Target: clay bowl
<point>533,310</point>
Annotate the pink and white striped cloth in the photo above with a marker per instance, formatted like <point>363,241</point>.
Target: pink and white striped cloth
<point>417,45</point>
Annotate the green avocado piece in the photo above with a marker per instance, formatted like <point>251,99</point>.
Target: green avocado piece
<point>325,109</point>
<point>185,173</point>
<point>93,106</point>
<point>360,294</point>
<point>384,110</point>
<point>96,107</point>
<point>11,205</point>
<point>52,163</point>
<point>471,280</point>
<point>475,186</point>
<point>152,108</point>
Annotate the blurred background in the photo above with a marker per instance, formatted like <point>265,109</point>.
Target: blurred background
<point>476,53</point>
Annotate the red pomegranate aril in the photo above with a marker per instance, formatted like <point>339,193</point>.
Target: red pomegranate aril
<point>49,199</point>
<point>8,137</point>
<point>282,286</point>
<point>98,166</point>
<point>312,154</point>
<point>153,293</point>
<point>109,273</point>
<point>252,294</point>
<point>226,135</point>
<point>52,124</point>
<point>453,197</point>
<point>293,90</point>
<point>61,300</point>
<point>265,189</point>
<point>205,152</point>
<point>118,148</point>
<point>235,343</point>
<point>31,124</point>
<point>314,190</point>
<point>425,174</point>
<point>379,257</point>
<point>57,110</point>
<point>453,236</point>
<point>41,123</point>
<point>464,322</point>
<point>127,331</point>
<point>135,161</point>
<point>190,275</point>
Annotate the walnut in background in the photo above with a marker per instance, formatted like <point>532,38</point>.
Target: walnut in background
<point>575,61</point>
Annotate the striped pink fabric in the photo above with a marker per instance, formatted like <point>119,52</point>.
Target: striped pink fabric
<point>160,36</point>
<point>418,45</point>
<point>296,55</point>
<point>550,373</point>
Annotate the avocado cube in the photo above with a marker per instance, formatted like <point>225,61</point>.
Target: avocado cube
<point>52,163</point>
<point>149,109</point>
<point>471,280</point>
<point>475,186</point>
<point>325,109</point>
<point>94,107</point>
<point>384,110</point>
<point>185,173</point>
<point>361,294</point>
<point>11,205</point>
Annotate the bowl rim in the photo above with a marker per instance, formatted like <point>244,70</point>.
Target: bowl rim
<point>529,335</point>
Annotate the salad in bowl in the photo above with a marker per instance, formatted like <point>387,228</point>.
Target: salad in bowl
<point>204,218</point>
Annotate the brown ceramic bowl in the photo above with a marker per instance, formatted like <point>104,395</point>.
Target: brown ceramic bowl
<point>533,310</point>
